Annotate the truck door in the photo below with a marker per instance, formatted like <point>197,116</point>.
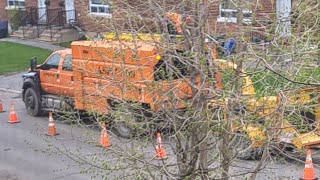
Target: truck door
<point>49,74</point>
<point>66,76</point>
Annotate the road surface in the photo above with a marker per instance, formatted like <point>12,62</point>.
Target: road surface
<point>26,153</point>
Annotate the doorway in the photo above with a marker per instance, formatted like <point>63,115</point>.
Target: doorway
<point>42,12</point>
<point>70,12</point>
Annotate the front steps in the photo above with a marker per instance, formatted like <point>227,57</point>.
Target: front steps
<point>25,32</point>
<point>46,35</point>
<point>60,34</point>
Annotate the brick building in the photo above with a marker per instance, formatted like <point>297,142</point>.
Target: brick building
<point>221,18</point>
<point>98,15</point>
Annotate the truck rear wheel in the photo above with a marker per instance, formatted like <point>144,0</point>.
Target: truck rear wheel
<point>242,147</point>
<point>131,125</point>
<point>32,103</point>
<point>124,130</point>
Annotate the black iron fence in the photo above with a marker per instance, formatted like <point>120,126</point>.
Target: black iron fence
<point>69,16</point>
<point>53,15</point>
<point>43,18</point>
<point>15,20</point>
<point>64,18</point>
<point>31,16</point>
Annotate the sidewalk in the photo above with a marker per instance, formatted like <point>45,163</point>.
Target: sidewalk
<point>34,43</point>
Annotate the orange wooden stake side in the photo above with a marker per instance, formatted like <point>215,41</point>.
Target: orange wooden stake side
<point>118,70</point>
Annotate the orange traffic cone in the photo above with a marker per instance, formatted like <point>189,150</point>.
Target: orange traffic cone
<point>160,152</point>
<point>13,115</point>
<point>308,168</point>
<point>51,128</point>
<point>104,139</point>
<point>1,108</point>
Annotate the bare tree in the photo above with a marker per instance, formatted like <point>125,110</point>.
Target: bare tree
<point>206,124</point>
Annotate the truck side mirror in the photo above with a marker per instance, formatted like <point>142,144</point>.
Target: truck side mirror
<point>33,63</point>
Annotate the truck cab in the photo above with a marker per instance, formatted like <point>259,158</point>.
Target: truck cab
<point>45,84</point>
<point>56,75</point>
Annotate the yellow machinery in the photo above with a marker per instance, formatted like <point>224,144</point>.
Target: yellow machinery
<point>291,120</point>
<point>267,108</point>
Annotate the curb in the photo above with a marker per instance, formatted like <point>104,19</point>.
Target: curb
<point>10,90</point>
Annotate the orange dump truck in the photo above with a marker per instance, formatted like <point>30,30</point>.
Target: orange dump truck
<point>93,74</point>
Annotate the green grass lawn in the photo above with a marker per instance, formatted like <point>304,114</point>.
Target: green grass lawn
<point>267,83</point>
<point>65,44</point>
<point>16,57</point>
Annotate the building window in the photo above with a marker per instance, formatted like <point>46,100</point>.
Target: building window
<point>228,11</point>
<point>16,3</point>
<point>100,7</point>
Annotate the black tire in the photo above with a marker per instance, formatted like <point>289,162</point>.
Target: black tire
<point>242,149</point>
<point>245,152</point>
<point>32,102</point>
<point>287,152</point>
<point>132,124</point>
<point>124,130</point>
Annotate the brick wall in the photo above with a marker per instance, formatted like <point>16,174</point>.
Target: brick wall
<point>122,11</point>
<point>262,13</point>
<point>92,23</point>
<point>265,11</point>
<point>3,14</point>
<point>31,3</point>
<point>86,21</point>
<point>55,4</point>
<point>34,3</point>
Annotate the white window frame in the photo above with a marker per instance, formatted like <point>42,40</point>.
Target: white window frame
<point>107,6</point>
<point>14,6</point>
<point>232,19</point>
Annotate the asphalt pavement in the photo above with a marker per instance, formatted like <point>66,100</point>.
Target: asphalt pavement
<point>26,153</point>
<point>12,82</point>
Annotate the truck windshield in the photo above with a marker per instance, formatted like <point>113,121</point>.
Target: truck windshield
<point>52,62</point>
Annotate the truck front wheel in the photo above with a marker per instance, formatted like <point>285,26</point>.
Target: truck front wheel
<point>32,103</point>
